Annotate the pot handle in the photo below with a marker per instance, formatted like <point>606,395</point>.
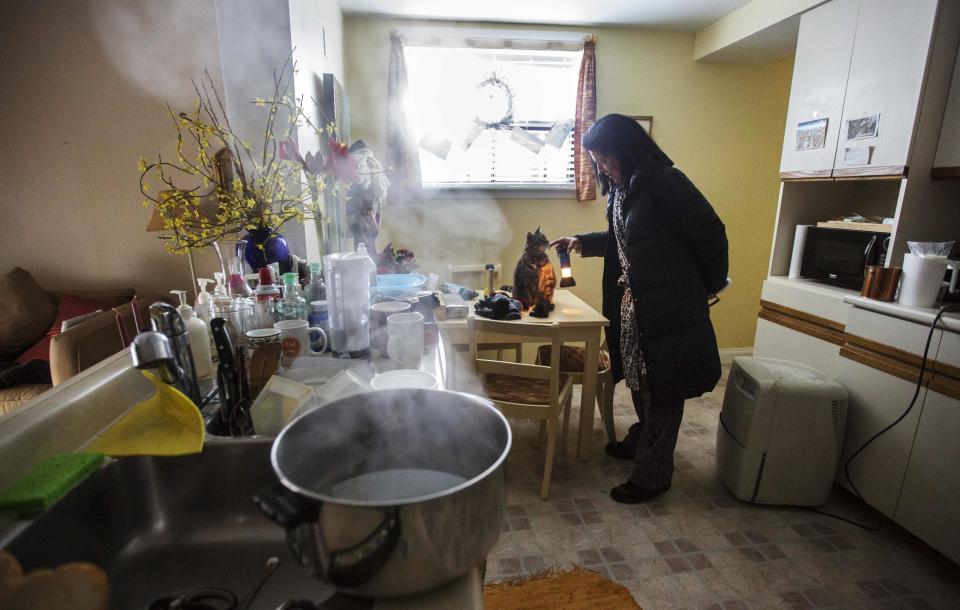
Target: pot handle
<point>286,508</point>
<point>349,567</point>
<point>356,565</point>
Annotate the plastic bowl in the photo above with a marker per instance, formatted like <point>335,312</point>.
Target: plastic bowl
<point>398,284</point>
<point>404,378</point>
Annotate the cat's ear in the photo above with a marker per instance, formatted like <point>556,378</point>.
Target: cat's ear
<point>538,229</point>
<point>529,237</point>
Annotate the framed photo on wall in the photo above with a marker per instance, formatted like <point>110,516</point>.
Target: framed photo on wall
<point>645,121</point>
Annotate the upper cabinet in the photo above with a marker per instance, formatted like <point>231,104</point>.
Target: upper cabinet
<point>858,77</point>
<point>947,162</point>
<point>820,69</point>
<point>887,69</point>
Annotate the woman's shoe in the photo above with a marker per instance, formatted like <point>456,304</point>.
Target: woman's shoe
<point>620,450</point>
<point>631,493</point>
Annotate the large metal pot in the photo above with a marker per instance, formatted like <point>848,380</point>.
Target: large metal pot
<point>394,492</point>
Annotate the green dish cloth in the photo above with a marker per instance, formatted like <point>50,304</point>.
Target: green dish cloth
<point>49,481</point>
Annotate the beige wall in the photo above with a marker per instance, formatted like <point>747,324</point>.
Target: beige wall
<point>85,84</point>
<point>722,124</point>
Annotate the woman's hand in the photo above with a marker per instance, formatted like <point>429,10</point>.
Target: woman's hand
<point>572,244</point>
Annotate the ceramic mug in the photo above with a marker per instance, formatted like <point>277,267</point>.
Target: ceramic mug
<point>261,336</point>
<point>379,312</point>
<point>298,339</point>
<point>405,339</point>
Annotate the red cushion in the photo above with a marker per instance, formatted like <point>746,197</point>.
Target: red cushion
<point>69,307</point>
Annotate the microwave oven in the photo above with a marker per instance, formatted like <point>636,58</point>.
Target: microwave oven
<point>840,256</point>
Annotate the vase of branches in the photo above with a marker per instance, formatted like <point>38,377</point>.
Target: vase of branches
<point>217,187</point>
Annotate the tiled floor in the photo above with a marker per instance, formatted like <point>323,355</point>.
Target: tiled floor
<point>697,546</point>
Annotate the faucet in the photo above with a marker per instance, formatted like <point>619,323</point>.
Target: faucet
<point>167,348</point>
<point>152,350</point>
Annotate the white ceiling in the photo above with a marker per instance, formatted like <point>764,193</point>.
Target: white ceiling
<point>676,15</point>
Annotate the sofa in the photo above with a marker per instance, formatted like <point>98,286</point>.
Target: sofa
<point>31,319</point>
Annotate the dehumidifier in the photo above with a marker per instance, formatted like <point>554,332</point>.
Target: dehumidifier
<point>780,432</point>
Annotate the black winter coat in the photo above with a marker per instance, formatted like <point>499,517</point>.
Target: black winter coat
<point>677,247</point>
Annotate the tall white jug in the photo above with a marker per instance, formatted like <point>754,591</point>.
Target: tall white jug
<point>922,279</point>
<point>348,303</point>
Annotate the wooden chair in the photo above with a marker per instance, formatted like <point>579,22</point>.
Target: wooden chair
<point>526,391</point>
<point>471,276</point>
<point>571,364</point>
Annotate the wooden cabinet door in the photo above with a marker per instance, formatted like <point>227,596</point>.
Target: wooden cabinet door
<point>824,47</point>
<point>887,70</point>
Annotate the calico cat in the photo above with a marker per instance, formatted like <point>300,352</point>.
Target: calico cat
<point>534,279</point>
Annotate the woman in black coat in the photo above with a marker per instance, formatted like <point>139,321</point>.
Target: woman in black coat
<point>665,254</point>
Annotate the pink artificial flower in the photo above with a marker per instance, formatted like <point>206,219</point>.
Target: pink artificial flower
<point>340,163</point>
<point>289,151</point>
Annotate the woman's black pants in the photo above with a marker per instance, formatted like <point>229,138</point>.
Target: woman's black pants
<point>655,437</point>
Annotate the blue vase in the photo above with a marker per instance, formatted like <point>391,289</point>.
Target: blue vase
<point>265,247</point>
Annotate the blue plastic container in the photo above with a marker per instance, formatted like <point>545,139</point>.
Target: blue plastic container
<point>398,284</point>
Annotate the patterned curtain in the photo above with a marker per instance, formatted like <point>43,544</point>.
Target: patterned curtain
<point>402,157</point>
<point>586,115</point>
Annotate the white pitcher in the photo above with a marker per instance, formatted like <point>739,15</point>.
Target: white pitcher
<point>922,279</point>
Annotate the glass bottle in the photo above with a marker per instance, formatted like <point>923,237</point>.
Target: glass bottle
<point>292,306</point>
<point>266,297</point>
<point>319,317</point>
<point>315,289</point>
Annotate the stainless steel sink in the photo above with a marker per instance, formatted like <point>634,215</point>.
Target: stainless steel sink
<point>159,526</point>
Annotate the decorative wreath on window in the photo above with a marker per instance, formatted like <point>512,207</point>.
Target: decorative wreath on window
<point>494,103</point>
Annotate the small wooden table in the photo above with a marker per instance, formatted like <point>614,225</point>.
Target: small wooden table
<point>578,323</point>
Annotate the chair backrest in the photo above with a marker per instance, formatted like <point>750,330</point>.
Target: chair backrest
<point>471,276</point>
<point>503,331</point>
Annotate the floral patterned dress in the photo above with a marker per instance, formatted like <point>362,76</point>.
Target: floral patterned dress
<point>634,367</point>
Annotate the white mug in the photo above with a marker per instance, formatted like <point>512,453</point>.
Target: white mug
<point>379,312</point>
<point>297,339</point>
<point>405,339</point>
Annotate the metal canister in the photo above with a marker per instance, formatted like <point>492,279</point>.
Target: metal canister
<point>489,277</point>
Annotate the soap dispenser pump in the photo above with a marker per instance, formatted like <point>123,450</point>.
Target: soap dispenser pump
<point>197,335</point>
<point>203,305</point>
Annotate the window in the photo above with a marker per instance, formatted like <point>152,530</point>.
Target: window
<point>518,95</point>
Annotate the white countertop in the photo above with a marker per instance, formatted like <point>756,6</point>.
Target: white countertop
<point>923,315</point>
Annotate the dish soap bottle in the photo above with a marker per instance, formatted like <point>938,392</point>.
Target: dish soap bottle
<point>197,335</point>
<point>203,305</point>
<point>292,306</point>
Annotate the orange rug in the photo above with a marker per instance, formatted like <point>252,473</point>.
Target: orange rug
<point>578,589</point>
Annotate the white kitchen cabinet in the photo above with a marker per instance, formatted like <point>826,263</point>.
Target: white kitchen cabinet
<point>878,352</point>
<point>820,68</point>
<point>776,341</point>
<point>875,400</point>
<point>887,69</point>
<point>947,162</point>
<point>859,63</point>
<point>931,489</point>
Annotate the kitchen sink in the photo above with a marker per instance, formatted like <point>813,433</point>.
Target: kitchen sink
<point>161,526</point>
